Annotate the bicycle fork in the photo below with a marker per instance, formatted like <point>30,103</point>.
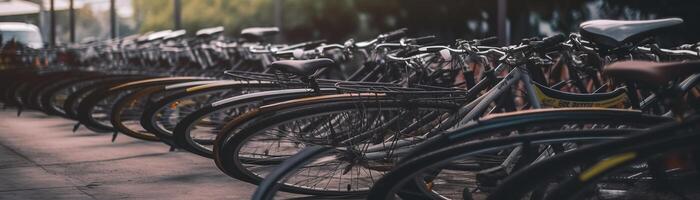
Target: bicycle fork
<point>510,80</point>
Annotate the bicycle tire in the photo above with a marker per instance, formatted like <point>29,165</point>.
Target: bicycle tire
<point>182,134</point>
<point>228,160</point>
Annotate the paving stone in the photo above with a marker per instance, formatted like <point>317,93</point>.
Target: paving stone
<point>41,158</point>
<point>46,193</point>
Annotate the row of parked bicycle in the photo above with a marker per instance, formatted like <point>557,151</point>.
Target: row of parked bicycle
<point>600,114</point>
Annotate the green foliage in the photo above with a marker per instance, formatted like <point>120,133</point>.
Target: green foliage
<point>301,17</point>
<point>153,14</point>
<point>197,14</point>
<point>337,20</point>
<point>86,24</point>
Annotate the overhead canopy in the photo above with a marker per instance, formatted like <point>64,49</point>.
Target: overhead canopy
<point>17,7</point>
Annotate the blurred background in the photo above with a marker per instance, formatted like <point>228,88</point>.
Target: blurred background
<point>338,20</point>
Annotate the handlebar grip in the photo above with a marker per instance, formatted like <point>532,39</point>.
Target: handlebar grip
<point>408,52</point>
<point>314,43</point>
<point>394,34</point>
<point>304,45</point>
<point>431,49</point>
<point>423,40</point>
<point>687,46</point>
<point>550,41</point>
<point>306,54</point>
<point>487,41</point>
<point>684,47</point>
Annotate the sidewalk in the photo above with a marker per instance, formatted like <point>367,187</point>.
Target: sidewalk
<point>41,158</point>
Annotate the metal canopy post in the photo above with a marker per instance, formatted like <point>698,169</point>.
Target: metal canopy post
<point>113,19</point>
<point>502,17</point>
<point>279,18</point>
<point>52,28</point>
<point>177,12</point>
<point>71,19</point>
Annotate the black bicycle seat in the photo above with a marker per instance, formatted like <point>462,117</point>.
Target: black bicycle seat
<point>256,34</point>
<point>302,68</point>
<point>613,33</point>
<point>651,73</point>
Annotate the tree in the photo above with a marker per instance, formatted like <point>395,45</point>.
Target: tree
<point>337,20</point>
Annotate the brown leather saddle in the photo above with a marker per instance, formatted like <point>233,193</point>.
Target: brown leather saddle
<point>651,73</point>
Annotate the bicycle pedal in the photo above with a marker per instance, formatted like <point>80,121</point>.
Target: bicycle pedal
<point>347,168</point>
<point>490,177</point>
<point>467,194</point>
<point>380,166</point>
<point>114,136</point>
<point>76,126</point>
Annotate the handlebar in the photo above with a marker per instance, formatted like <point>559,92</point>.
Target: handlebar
<point>393,35</point>
<point>406,42</point>
<point>487,41</point>
<point>542,45</point>
<point>688,47</point>
<point>549,42</point>
<point>671,52</point>
<point>394,57</point>
<point>446,50</point>
<point>484,41</point>
<point>301,53</point>
<point>383,37</point>
<point>303,45</point>
<point>418,40</point>
<point>267,49</point>
<point>431,49</point>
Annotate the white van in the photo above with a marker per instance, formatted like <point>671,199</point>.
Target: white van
<point>24,33</point>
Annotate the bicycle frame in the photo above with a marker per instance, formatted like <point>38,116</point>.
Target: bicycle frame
<point>476,108</point>
<point>515,75</point>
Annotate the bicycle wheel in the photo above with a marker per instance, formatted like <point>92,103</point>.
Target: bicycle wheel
<point>539,119</point>
<point>357,128</point>
<point>95,110</point>
<point>197,131</point>
<point>53,99</point>
<point>128,111</point>
<point>32,86</point>
<point>648,170</point>
<point>161,117</point>
<point>33,95</point>
<point>15,92</point>
<point>78,92</point>
<point>9,78</point>
<point>469,170</point>
<point>552,171</point>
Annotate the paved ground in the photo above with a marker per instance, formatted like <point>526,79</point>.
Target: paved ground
<point>40,158</point>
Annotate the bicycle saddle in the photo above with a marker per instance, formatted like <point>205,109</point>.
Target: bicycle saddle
<point>258,33</point>
<point>302,68</point>
<point>613,33</point>
<point>651,73</point>
<point>209,31</point>
<point>158,35</point>
<point>175,35</point>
